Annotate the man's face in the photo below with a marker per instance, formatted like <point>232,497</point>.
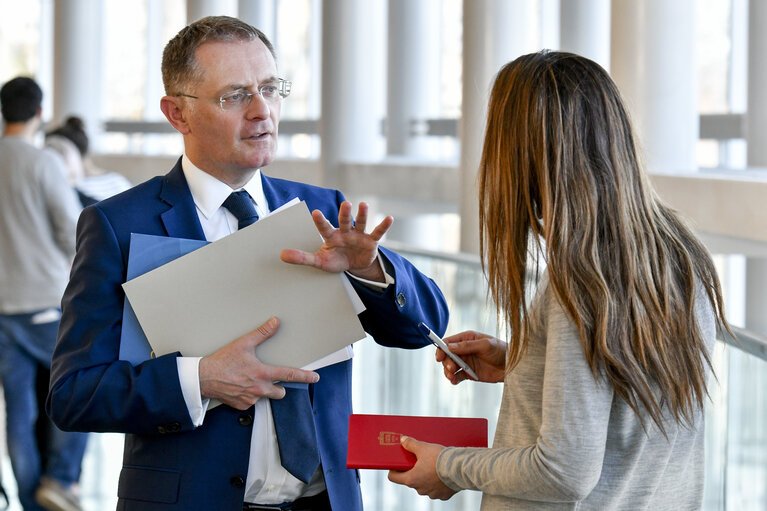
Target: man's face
<point>232,143</point>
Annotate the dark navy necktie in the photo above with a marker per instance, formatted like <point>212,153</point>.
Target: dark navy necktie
<point>241,206</point>
<point>293,416</point>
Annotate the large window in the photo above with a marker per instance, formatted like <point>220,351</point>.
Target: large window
<point>20,42</point>
<point>19,39</point>
<point>721,53</point>
<point>133,42</point>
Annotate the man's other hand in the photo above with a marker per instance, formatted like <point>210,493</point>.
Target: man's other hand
<point>236,377</point>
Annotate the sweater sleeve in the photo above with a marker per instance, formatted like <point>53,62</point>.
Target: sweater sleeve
<point>564,462</point>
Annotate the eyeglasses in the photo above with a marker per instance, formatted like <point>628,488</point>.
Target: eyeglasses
<point>240,99</point>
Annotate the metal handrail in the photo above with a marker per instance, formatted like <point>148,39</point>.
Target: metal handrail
<point>453,257</point>
<point>746,340</point>
<point>712,126</point>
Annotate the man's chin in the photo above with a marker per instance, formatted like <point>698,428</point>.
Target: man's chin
<point>263,163</point>
<point>259,162</point>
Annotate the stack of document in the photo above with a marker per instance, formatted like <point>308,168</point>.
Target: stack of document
<point>195,297</point>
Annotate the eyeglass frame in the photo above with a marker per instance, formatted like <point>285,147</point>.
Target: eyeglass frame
<point>283,90</point>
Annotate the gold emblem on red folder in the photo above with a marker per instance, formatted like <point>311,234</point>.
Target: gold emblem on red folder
<point>388,438</point>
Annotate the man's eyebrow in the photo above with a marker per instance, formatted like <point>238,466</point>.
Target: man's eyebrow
<point>242,86</point>
<point>235,86</point>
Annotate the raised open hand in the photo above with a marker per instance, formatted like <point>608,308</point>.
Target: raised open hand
<point>346,248</point>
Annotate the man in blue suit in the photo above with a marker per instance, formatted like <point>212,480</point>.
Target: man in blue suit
<point>224,97</point>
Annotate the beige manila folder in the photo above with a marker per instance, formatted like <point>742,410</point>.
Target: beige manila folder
<point>203,300</point>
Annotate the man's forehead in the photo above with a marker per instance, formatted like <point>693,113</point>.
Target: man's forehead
<point>236,61</point>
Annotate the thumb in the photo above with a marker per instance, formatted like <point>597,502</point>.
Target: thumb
<point>266,330</point>
<point>409,444</point>
<point>293,256</point>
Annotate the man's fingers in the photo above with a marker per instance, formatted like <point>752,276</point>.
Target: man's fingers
<point>382,228</point>
<point>267,329</point>
<point>361,222</point>
<point>293,256</point>
<point>324,227</point>
<point>345,217</point>
<point>275,391</point>
<point>293,375</point>
<point>287,374</point>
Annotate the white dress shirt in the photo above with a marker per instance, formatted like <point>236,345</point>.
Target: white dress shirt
<point>267,481</point>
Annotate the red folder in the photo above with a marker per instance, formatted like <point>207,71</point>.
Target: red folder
<point>374,439</point>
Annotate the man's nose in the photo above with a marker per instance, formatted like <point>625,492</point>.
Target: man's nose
<point>258,108</point>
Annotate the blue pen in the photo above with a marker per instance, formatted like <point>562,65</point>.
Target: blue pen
<point>439,343</point>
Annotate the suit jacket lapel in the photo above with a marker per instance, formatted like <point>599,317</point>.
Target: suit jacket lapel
<point>181,220</point>
<point>276,192</point>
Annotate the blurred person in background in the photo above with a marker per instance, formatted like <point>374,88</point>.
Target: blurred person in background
<point>38,213</point>
<point>92,184</point>
<point>605,370</point>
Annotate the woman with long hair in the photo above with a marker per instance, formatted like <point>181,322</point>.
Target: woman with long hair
<point>605,369</point>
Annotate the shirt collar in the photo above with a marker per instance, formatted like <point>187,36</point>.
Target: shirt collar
<point>209,193</point>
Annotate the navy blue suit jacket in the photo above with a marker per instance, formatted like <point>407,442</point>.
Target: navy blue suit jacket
<point>168,463</point>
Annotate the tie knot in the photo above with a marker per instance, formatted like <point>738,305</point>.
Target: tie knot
<point>241,206</point>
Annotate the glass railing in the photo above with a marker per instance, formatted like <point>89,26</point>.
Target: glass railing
<point>403,382</point>
<point>736,434</point>
<point>406,382</point>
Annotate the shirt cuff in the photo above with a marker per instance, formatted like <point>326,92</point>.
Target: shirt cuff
<point>372,283</point>
<point>189,378</point>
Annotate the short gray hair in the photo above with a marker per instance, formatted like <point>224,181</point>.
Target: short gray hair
<point>179,62</point>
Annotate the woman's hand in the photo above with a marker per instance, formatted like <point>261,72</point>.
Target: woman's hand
<point>423,476</point>
<point>484,354</point>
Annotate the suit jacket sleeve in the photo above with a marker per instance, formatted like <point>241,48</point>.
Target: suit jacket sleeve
<point>392,317</point>
<point>91,389</point>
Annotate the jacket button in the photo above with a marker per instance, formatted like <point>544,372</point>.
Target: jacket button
<point>237,481</point>
<point>245,420</point>
<point>161,430</point>
<point>174,427</point>
<point>401,300</point>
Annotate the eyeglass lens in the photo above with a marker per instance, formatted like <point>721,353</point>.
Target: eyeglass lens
<point>271,93</point>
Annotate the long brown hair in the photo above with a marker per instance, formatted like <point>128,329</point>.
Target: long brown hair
<point>560,172</point>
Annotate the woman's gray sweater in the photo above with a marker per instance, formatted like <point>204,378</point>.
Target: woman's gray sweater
<point>565,441</point>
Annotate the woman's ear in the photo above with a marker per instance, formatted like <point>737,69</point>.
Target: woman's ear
<point>173,108</point>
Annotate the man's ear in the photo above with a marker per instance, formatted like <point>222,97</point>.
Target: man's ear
<point>176,115</point>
